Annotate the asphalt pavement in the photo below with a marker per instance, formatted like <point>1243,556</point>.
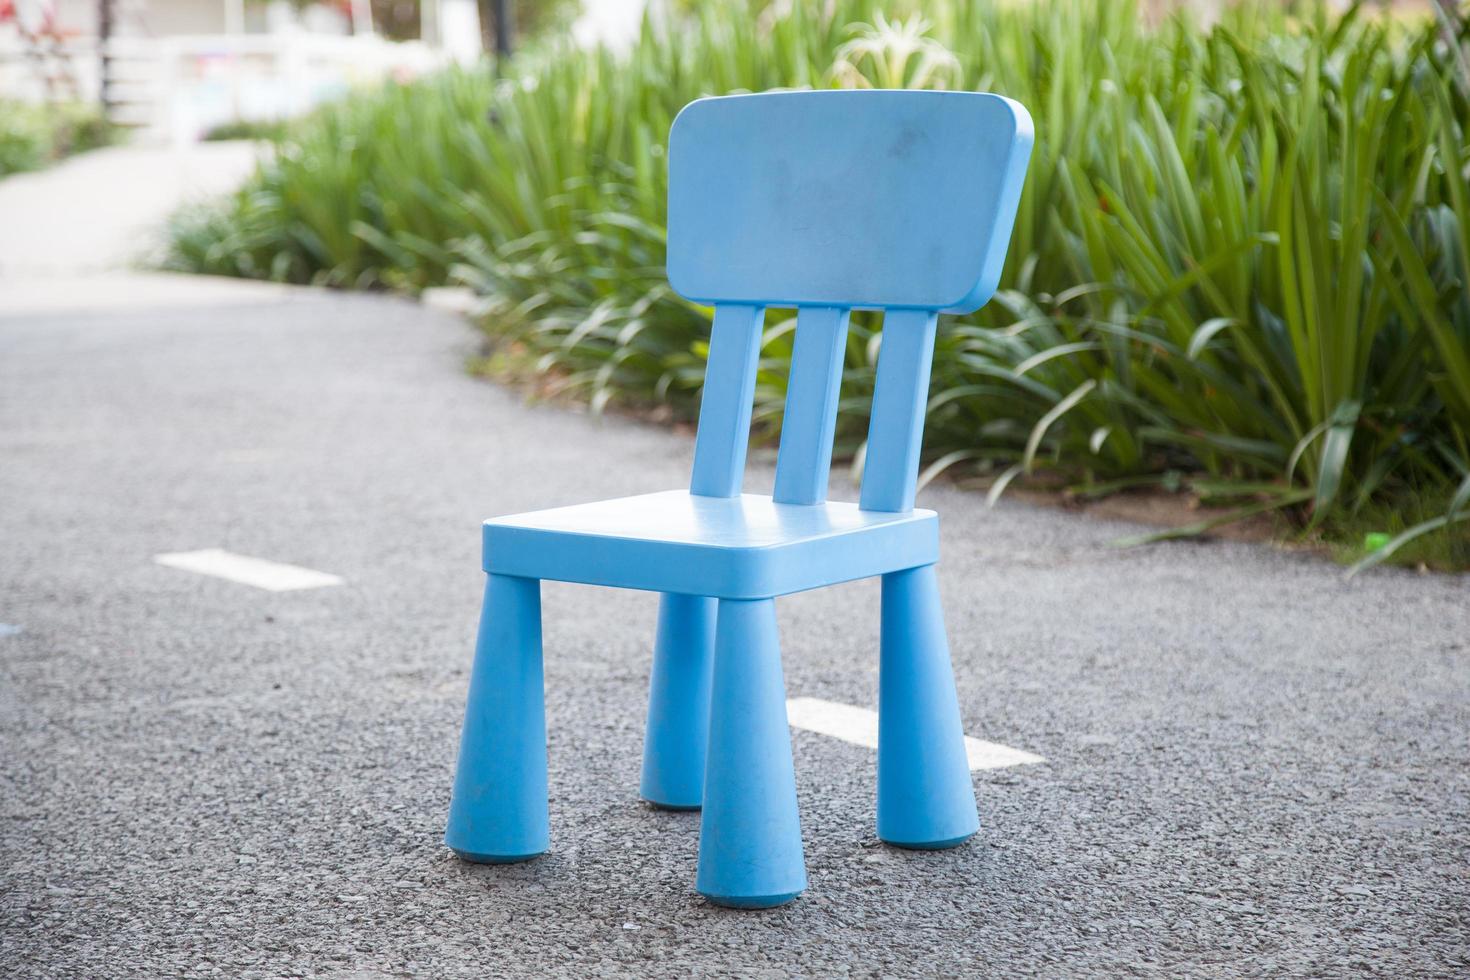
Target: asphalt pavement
<point>1252,767</point>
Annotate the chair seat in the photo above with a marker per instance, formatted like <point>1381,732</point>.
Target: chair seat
<point>746,547</point>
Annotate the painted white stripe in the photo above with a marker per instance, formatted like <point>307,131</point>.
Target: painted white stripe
<point>860,727</point>
<point>272,576</point>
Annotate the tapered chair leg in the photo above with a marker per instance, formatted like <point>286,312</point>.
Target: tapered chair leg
<point>498,811</point>
<point>925,797</point>
<point>678,702</point>
<point>750,834</point>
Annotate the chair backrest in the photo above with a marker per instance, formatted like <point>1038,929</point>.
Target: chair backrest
<point>829,202</point>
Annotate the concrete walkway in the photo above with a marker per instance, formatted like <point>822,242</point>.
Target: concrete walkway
<point>1251,767</point>
<point>102,211</point>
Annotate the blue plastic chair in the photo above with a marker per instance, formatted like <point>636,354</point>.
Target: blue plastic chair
<point>825,201</point>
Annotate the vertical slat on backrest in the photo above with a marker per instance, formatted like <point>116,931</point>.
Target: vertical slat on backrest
<point>724,409</point>
<point>805,457</point>
<point>900,396</point>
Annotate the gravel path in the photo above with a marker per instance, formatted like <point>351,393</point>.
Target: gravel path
<point>1253,766</point>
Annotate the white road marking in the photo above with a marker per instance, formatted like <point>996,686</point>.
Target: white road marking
<point>860,727</point>
<point>272,576</point>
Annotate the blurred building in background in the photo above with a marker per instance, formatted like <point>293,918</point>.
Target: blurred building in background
<point>174,69</point>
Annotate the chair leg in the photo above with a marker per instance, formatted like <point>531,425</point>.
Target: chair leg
<point>498,811</point>
<point>678,702</point>
<point>925,797</point>
<point>750,834</point>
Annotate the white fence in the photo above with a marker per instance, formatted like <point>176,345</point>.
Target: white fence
<point>177,88</point>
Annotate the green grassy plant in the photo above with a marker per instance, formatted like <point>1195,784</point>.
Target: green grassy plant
<point>248,129</point>
<point>33,136</point>
<point>1242,254</point>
